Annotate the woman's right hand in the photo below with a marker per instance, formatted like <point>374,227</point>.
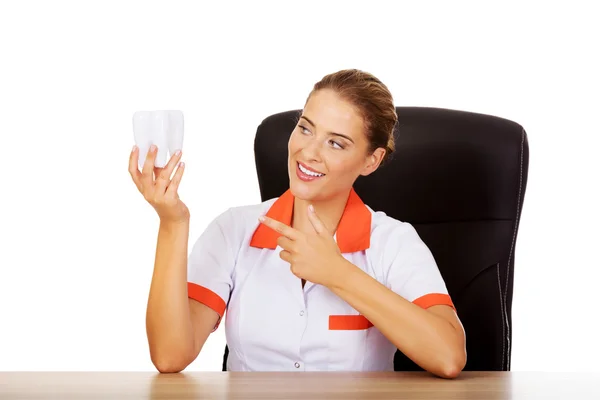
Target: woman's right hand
<point>157,187</point>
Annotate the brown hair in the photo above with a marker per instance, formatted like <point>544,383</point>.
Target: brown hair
<point>373,101</point>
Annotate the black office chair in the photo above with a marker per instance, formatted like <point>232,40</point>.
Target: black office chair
<point>459,178</point>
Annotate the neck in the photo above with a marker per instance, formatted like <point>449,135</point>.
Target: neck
<point>329,211</point>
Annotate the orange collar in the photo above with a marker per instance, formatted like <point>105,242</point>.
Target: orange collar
<point>353,233</point>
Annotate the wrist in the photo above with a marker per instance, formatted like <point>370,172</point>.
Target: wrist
<point>344,271</point>
<point>175,225</point>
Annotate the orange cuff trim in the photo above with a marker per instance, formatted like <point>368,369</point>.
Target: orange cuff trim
<point>348,322</point>
<point>434,299</point>
<point>208,298</point>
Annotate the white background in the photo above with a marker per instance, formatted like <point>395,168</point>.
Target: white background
<point>78,240</point>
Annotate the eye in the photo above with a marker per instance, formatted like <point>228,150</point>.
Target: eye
<point>334,143</point>
<point>302,129</point>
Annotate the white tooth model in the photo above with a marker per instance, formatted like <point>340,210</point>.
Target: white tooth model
<point>163,128</point>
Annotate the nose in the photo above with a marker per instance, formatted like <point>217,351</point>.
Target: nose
<point>312,151</point>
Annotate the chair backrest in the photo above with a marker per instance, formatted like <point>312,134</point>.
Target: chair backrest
<point>459,178</point>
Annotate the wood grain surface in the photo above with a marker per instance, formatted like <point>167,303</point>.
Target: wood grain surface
<point>297,385</point>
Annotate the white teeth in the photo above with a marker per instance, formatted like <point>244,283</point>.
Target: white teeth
<point>175,136</point>
<point>162,128</point>
<point>307,172</point>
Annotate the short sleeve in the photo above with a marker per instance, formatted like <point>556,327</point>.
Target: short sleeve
<point>412,270</point>
<point>210,265</point>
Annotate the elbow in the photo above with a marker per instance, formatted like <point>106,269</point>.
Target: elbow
<point>450,371</point>
<point>168,366</point>
<point>452,366</point>
<point>170,359</point>
<point>171,362</point>
<point>167,369</point>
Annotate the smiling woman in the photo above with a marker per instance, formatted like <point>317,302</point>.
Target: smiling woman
<point>345,130</point>
<point>313,279</point>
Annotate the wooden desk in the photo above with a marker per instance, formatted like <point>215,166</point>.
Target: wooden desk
<point>297,385</point>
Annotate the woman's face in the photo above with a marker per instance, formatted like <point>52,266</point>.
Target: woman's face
<point>329,141</point>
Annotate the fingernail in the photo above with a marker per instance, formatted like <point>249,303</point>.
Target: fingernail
<point>133,148</point>
<point>153,147</point>
<point>311,208</point>
<point>178,152</point>
<point>181,164</point>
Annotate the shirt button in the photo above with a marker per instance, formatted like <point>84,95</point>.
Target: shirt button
<point>297,365</point>
<point>302,313</point>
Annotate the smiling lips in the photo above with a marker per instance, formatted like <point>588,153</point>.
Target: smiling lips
<point>307,174</point>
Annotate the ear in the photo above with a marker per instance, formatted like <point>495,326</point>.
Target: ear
<point>373,161</point>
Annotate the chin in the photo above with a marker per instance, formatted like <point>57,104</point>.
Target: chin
<point>305,190</point>
<point>302,191</point>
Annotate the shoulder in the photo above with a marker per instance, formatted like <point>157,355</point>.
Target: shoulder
<point>402,256</point>
<point>241,221</point>
<point>245,215</point>
<point>392,238</point>
<point>231,228</point>
<point>385,228</point>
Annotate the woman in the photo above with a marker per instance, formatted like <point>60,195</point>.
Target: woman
<point>313,279</point>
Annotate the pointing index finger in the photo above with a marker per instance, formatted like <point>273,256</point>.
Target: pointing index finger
<point>315,220</point>
<point>280,227</point>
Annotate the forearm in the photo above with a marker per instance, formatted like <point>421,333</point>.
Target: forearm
<point>426,338</point>
<point>168,322</point>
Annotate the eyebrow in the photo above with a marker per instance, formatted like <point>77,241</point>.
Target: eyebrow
<point>331,133</point>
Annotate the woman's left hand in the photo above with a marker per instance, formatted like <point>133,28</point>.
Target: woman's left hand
<point>314,257</point>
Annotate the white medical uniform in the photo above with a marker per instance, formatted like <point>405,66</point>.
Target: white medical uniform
<point>272,323</point>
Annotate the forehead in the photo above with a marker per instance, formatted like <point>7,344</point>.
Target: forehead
<point>330,113</point>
